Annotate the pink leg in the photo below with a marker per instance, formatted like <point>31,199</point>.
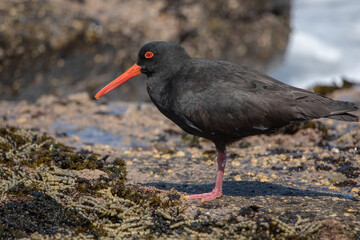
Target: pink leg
<point>217,191</point>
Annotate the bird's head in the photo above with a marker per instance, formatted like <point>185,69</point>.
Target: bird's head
<point>154,58</point>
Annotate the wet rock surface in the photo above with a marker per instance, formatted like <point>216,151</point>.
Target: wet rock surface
<point>61,47</point>
<point>303,182</point>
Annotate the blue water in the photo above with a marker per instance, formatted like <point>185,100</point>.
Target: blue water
<point>115,108</point>
<point>89,135</point>
<point>324,44</point>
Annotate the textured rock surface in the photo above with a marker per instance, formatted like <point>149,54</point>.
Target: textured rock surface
<point>55,46</point>
<point>299,184</point>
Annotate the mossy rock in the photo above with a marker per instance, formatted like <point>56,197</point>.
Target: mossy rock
<point>45,195</point>
<point>325,90</point>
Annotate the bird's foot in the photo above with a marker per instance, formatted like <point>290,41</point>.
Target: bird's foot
<point>216,193</point>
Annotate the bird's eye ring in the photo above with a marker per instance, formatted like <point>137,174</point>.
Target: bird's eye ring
<point>149,54</point>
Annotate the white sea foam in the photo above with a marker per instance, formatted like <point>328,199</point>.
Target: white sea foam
<point>324,44</point>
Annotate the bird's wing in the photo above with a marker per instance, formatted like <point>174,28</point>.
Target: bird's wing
<point>237,99</point>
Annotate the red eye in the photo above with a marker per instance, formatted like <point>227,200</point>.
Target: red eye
<point>149,54</point>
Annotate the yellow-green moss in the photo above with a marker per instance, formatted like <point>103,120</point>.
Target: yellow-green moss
<point>325,90</point>
<point>44,195</point>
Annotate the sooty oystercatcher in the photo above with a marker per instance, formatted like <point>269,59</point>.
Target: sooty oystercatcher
<point>223,101</point>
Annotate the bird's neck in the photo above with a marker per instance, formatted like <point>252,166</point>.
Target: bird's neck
<point>161,87</point>
<point>158,90</point>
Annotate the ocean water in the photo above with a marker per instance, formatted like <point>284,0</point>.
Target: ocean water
<point>324,45</point>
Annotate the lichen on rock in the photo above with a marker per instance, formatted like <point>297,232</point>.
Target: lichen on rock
<point>51,191</point>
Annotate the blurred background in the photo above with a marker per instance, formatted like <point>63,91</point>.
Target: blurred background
<point>64,46</point>
<point>324,44</point>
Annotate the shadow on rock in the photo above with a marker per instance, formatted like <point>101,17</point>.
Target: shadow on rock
<point>43,215</point>
<point>247,189</point>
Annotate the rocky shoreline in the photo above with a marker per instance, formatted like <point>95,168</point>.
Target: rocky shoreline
<point>61,47</point>
<point>301,183</point>
<point>75,168</point>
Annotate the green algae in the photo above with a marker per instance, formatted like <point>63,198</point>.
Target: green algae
<point>38,164</point>
<point>297,126</point>
<point>41,214</point>
<point>45,194</point>
<point>325,90</point>
<point>25,148</point>
<point>190,140</point>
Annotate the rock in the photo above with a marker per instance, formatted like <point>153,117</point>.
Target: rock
<point>275,173</point>
<point>91,174</point>
<point>63,47</point>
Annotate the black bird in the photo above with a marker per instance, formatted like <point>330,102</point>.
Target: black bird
<point>223,101</point>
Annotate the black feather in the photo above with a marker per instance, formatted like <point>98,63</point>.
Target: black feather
<point>224,102</point>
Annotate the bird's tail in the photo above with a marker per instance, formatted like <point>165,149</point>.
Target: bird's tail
<point>340,111</point>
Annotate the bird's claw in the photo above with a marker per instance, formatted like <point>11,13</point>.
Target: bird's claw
<point>204,196</point>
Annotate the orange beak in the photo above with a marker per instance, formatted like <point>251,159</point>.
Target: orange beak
<point>130,73</point>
